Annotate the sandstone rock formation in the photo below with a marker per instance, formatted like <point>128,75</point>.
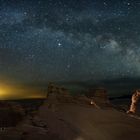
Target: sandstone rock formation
<point>66,117</point>
<point>55,89</point>
<point>57,94</point>
<point>134,101</point>
<point>98,97</point>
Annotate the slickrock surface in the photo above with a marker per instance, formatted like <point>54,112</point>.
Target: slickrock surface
<point>66,118</point>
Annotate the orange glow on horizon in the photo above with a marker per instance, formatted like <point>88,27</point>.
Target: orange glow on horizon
<point>18,92</point>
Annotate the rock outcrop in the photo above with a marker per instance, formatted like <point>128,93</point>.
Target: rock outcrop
<point>53,88</point>
<point>58,95</point>
<point>10,114</point>
<point>134,101</point>
<point>66,117</point>
<point>98,97</point>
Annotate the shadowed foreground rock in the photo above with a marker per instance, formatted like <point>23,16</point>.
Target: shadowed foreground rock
<point>10,114</point>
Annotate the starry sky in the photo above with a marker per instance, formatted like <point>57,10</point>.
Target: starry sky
<point>69,40</point>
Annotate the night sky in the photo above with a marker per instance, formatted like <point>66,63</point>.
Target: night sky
<point>69,40</point>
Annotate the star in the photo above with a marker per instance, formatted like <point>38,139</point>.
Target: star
<point>128,4</point>
<point>59,44</point>
<point>81,38</point>
<point>68,66</point>
<point>105,3</point>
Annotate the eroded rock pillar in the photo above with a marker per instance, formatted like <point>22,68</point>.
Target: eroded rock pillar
<point>134,102</point>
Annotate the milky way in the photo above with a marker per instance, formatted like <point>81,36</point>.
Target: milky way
<point>69,40</point>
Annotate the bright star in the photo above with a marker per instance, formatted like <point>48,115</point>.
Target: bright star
<point>59,44</point>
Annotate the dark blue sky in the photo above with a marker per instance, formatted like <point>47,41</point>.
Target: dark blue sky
<point>67,40</point>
